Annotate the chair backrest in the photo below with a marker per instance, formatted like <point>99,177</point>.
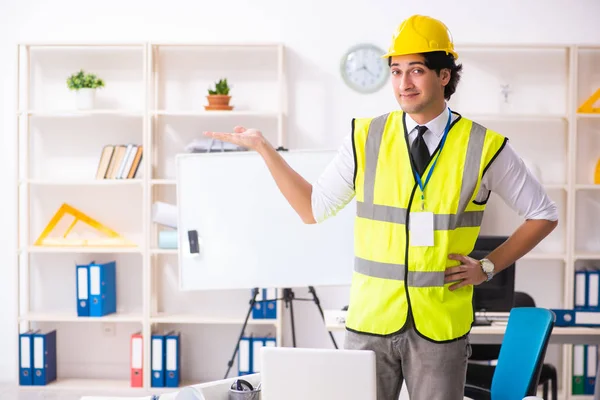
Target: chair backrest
<point>522,353</point>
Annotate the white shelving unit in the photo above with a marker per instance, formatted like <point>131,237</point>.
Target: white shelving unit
<point>154,97</point>
<point>547,84</point>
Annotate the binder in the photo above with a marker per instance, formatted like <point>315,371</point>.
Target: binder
<point>593,289</point>
<point>270,342</point>
<point>258,310</point>
<point>44,357</point>
<point>172,359</point>
<point>26,358</point>
<point>591,362</point>
<point>566,317</point>
<point>271,303</point>
<point>580,302</point>
<point>137,360</point>
<point>578,368</point>
<point>257,344</point>
<point>158,361</point>
<point>245,356</point>
<point>103,290</point>
<point>83,287</point>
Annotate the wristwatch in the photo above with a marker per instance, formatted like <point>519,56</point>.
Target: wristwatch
<point>488,268</point>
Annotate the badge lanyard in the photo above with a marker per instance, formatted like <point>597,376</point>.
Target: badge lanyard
<point>418,177</point>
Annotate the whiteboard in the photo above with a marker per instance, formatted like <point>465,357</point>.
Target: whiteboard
<point>248,234</point>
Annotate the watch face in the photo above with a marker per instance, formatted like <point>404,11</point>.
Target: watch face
<point>363,69</point>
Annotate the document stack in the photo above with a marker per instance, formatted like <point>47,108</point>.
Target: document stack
<point>37,358</point>
<point>249,353</point>
<point>266,304</point>
<point>96,289</point>
<point>166,359</point>
<point>586,302</point>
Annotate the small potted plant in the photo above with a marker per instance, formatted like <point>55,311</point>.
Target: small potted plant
<point>218,98</point>
<point>85,85</point>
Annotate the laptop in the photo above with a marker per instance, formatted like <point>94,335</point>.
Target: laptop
<point>317,374</point>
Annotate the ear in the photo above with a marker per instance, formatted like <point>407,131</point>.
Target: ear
<point>445,76</point>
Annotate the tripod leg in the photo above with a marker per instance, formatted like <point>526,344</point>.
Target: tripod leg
<point>237,346</point>
<point>293,327</point>
<point>311,289</point>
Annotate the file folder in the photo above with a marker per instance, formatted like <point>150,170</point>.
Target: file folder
<point>271,303</point>
<point>137,360</point>
<point>593,289</point>
<point>580,301</point>
<point>83,287</point>
<point>245,356</point>
<point>158,361</point>
<point>44,357</point>
<point>566,317</point>
<point>172,359</point>
<point>258,310</point>
<point>270,342</point>
<point>578,368</point>
<point>103,290</point>
<point>257,344</point>
<point>26,358</point>
<point>590,369</point>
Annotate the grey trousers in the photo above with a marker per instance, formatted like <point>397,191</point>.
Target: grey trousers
<point>432,371</point>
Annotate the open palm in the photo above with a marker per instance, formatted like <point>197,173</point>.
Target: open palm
<point>249,138</point>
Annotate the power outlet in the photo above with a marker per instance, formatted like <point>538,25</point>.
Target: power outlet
<point>109,328</point>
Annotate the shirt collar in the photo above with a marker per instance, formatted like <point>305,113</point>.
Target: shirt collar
<point>436,125</point>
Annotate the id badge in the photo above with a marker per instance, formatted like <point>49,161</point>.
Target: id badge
<point>421,228</point>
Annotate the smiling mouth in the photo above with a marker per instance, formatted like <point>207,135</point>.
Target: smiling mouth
<point>408,95</point>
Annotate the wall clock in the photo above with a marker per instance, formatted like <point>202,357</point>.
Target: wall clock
<point>363,69</point>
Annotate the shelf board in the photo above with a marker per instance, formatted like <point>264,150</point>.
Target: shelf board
<point>555,186</point>
<point>72,317</point>
<point>80,113</point>
<point>164,251</point>
<point>198,319</point>
<point>78,249</point>
<point>544,256</point>
<point>163,182</point>
<point>588,115</point>
<point>587,256</point>
<point>590,186</point>
<point>86,385</point>
<point>226,113</point>
<point>82,182</point>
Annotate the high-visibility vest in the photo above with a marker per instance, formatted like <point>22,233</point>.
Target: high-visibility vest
<point>391,275</point>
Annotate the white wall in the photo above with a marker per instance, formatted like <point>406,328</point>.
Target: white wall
<point>316,34</point>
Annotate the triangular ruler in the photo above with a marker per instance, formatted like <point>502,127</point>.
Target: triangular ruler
<point>588,105</point>
<point>78,229</point>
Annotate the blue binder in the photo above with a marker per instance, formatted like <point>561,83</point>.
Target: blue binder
<point>271,303</point>
<point>103,289</point>
<point>591,363</point>
<point>158,360</point>
<point>245,356</point>
<point>83,290</point>
<point>580,292</point>
<point>258,312</point>
<point>172,359</point>
<point>44,357</point>
<point>26,358</point>
<point>592,289</point>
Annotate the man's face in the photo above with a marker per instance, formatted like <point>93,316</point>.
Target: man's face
<point>416,87</point>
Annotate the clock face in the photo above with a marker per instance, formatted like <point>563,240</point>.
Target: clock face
<point>363,69</point>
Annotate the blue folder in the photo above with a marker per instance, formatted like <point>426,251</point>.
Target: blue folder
<point>158,360</point>
<point>103,289</point>
<point>82,283</point>
<point>172,359</point>
<point>26,358</point>
<point>44,357</point>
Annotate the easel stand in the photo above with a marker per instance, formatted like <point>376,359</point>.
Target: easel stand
<point>288,297</point>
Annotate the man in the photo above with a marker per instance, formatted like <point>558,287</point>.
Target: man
<point>422,177</point>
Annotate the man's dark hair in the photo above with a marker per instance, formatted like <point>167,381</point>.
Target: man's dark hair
<point>438,60</point>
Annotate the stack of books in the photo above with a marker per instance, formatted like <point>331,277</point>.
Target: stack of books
<point>119,161</point>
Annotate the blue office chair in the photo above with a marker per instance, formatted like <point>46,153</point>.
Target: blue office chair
<point>521,356</point>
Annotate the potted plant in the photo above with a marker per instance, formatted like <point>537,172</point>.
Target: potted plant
<point>85,85</point>
<point>218,98</point>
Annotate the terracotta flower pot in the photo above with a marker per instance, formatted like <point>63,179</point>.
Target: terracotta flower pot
<point>218,102</point>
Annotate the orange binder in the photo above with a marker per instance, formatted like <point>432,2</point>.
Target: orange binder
<point>137,360</point>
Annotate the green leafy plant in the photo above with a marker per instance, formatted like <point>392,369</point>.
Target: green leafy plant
<point>221,87</point>
<point>83,80</point>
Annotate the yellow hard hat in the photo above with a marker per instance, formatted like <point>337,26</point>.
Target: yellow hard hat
<point>421,34</point>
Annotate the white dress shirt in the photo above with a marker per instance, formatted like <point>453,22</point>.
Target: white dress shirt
<point>507,176</point>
